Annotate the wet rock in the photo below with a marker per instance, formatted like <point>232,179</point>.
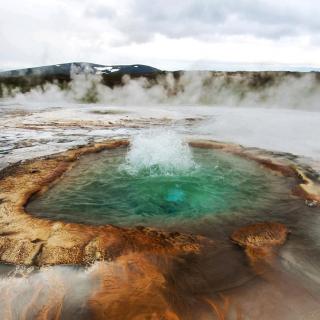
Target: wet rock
<point>312,203</point>
<point>261,234</point>
<point>260,239</point>
<point>34,170</point>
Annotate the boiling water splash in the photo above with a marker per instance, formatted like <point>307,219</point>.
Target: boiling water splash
<point>158,152</point>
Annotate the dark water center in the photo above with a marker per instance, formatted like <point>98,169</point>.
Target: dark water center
<point>100,190</point>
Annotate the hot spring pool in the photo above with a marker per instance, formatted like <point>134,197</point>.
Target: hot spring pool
<point>117,187</point>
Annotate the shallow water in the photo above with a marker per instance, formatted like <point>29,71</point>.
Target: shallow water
<point>102,189</point>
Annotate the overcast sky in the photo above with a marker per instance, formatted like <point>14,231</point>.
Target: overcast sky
<point>168,34</point>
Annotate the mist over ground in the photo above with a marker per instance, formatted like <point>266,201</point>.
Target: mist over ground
<point>246,89</point>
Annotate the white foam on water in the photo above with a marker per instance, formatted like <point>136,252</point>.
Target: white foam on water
<point>159,151</point>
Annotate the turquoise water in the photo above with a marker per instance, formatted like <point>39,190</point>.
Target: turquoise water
<point>100,190</point>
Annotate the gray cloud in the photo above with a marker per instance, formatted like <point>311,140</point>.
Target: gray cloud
<point>36,32</point>
<point>203,18</point>
<point>99,11</point>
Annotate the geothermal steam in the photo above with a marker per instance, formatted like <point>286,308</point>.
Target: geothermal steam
<point>278,89</point>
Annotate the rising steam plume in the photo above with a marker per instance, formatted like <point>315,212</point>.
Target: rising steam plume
<point>266,89</point>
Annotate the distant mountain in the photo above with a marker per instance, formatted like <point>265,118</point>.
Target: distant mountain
<point>66,69</point>
<point>62,74</point>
